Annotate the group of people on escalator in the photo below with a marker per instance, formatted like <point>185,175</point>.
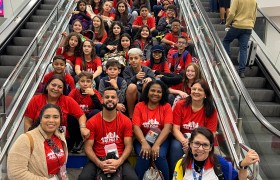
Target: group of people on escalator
<point>125,79</point>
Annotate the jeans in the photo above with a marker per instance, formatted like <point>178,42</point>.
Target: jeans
<point>175,146</point>
<point>142,165</point>
<point>243,36</point>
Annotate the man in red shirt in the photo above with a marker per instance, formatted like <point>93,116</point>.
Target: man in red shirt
<point>144,19</point>
<point>110,135</point>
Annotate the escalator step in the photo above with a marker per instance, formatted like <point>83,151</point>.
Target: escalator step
<point>22,41</point>
<point>33,25</point>
<point>5,71</point>
<point>6,60</point>
<point>213,15</point>
<point>35,18</point>
<point>47,6</point>
<point>16,50</point>
<point>215,20</point>
<point>50,1</point>
<point>271,109</point>
<point>254,82</point>
<point>262,95</point>
<point>42,12</point>
<point>28,32</point>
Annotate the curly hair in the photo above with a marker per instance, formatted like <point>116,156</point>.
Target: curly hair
<point>77,48</point>
<point>164,89</point>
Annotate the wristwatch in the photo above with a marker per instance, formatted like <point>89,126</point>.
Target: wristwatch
<point>241,167</point>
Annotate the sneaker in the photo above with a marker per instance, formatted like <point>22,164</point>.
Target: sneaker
<point>223,21</point>
<point>242,75</point>
<point>77,149</point>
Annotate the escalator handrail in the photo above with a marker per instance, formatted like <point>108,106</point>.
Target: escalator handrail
<point>269,20</point>
<point>20,65</point>
<point>18,105</point>
<point>16,14</point>
<point>230,143</point>
<point>235,77</point>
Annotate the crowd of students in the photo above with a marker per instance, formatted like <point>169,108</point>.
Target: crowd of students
<point>122,71</point>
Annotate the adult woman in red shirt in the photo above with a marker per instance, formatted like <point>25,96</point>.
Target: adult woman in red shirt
<point>54,94</point>
<point>40,153</point>
<point>194,111</point>
<point>152,121</point>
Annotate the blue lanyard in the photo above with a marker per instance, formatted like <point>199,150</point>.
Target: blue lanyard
<point>194,173</point>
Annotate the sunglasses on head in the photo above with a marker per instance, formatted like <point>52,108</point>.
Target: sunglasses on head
<point>51,143</point>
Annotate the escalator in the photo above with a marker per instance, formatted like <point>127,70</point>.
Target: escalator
<point>261,126</point>
<point>15,46</point>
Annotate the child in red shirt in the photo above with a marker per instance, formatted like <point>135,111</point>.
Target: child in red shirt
<point>59,65</point>
<point>89,61</point>
<point>70,50</point>
<point>107,15</point>
<point>144,19</point>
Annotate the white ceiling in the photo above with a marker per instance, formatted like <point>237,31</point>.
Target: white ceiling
<point>270,7</point>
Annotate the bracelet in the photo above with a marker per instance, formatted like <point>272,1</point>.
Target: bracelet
<point>82,126</point>
<point>241,167</point>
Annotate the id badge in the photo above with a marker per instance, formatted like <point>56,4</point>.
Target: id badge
<point>63,172</point>
<point>151,136</point>
<point>187,135</point>
<point>111,148</point>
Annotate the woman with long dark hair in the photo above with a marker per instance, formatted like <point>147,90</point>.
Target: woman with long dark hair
<point>41,153</point>
<point>152,122</point>
<point>194,111</point>
<point>200,162</point>
<point>124,17</point>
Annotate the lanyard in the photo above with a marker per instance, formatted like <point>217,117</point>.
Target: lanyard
<point>194,172</point>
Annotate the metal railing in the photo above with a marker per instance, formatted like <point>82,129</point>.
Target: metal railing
<point>29,58</point>
<point>14,119</point>
<point>227,117</point>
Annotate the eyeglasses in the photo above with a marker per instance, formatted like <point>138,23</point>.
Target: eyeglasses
<point>175,25</point>
<point>54,147</point>
<point>198,144</point>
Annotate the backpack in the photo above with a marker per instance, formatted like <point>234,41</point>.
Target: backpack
<point>171,55</point>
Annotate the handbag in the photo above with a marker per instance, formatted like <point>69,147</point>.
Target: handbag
<point>153,173</point>
<point>114,176</point>
<point>118,56</point>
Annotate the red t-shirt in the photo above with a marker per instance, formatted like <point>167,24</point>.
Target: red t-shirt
<point>61,51</point>
<point>104,133</point>
<point>150,22</point>
<point>104,37</point>
<point>188,120</point>
<point>68,78</point>
<point>179,63</point>
<point>158,67</point>
<point>54,160</point>
<point>113,15</point>
<point>180,87</point>
<point>147,118</point>
<point>66,104</point>
<point>84,101</point>
<point>95,10</point>
<point>91,66</point>
<point>174,38</point>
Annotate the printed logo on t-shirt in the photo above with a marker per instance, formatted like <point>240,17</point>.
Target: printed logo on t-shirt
<point>191,125</point>
<point>90,70</point>
<point>110,137</point>
<point>84,107</point>
<point>152,123</point>
<point>52,155</point>
<point>179,67</point>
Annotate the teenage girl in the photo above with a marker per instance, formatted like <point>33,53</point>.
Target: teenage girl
<point>96,6</point>
<point>99,35</point>
<point>70,50</point>
<point>81,14</point>
<point>183,89</point>
<point>89,61</point>
<point>144,41</point>
<point>123,16</point>
<point>125,44</point>
<point>107,15</point>
<point>110,44</point>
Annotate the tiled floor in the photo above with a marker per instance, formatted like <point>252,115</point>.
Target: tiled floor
<point>73,173</point>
